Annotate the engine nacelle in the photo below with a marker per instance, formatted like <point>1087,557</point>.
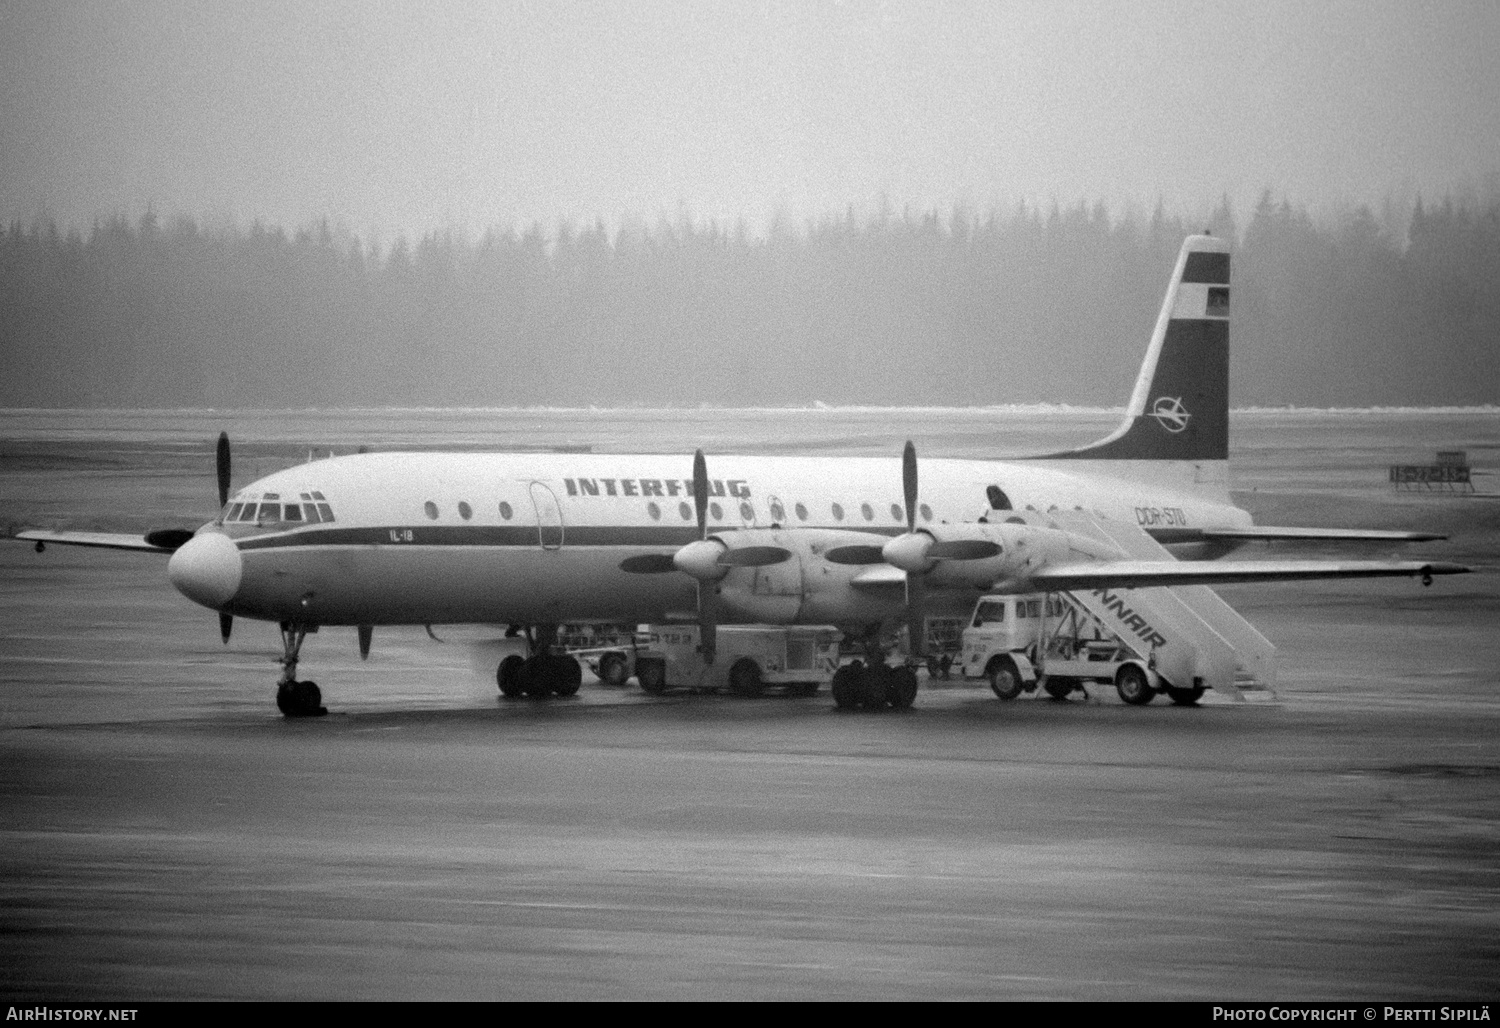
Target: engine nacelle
<point>806,588</point>
<point>980,556</point>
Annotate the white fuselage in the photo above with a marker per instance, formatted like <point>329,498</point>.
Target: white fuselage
<point>430,538</point>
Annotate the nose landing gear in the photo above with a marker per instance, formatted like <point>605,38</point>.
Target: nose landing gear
<point>294,698</point>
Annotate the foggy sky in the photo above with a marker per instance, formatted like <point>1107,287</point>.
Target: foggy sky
<point>407,117</point>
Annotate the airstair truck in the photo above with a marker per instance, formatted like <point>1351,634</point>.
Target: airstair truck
<point>747,658</point>
<point>1144,642</point>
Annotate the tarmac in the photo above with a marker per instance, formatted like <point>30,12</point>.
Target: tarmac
<point>165,834</point>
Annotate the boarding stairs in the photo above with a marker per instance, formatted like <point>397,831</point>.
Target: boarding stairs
<point>1187,631</point>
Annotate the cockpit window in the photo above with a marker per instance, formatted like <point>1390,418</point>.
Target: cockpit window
<point>267,511</point>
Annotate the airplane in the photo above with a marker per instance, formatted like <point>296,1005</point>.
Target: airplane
<point>532,540</point>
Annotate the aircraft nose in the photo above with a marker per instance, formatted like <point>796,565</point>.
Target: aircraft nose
<point>207,569</point>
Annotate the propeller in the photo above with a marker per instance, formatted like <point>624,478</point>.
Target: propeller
<point>705,560</point>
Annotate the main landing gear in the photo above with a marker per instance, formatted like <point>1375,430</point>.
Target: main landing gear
<point>294,698</point>
<point>875,685</point>
<point>543,673</point>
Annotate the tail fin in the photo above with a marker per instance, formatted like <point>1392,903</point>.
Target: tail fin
<point>1179,410</point>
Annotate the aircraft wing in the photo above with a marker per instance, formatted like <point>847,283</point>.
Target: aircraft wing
<point>1130,574</point>
<point>106,540</point>
<point>1271,533</point>
<point>1368,535</point>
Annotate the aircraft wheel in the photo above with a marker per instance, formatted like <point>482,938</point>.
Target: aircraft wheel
<point>1133,687</point>
<point>300,699</point>
<point>901,688</point>
<point>567,674</point>
<point>1185,697</point>
<point>872,687</point>
<point>652,674</point>
<point>744,678</point>
<point>614,669</point>
<point>845,685</point>
<point>508,676</point>
<point>1005,679</point>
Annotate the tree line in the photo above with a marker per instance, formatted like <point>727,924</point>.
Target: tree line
<point>958,308</point>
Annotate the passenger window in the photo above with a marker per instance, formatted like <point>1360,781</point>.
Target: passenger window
<point>896,511</point>
<point>292,512</point>
<point>654,509</point>
<point>310,512</point>
<point>464,510</point>
<point>926,512</point>
<point>431,509</point>
<point>838,512</point>
<point>685,511</point>
<point>778,512</point>
<point>801,512</point>
<point>716,511</point>
<point>505,511</point>
<point>747,512</point>
<point>868,511</point>
<point>325,511</point>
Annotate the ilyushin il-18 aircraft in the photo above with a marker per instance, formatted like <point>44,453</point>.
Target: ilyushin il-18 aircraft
<point>536,540</point>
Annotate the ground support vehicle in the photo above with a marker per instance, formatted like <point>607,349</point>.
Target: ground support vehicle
<point>1144,642</point>
<point>747,659</point>
<point>609,651</point>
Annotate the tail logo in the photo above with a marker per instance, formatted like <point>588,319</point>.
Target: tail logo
<point>1170,413</point>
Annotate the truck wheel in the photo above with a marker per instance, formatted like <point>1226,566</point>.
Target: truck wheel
<point>1060,688</point>
<point>1005,679</point>
<point>744,678</point>
<point>1184,697</point>
<point>507,675</point>
<point>652,674</point>
<point>614,669</point>
<point>1132,685</point>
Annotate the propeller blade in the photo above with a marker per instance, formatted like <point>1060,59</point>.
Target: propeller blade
<point>855,555</point>
<point>916,621</point>
<point>753,557</point>
<point>963,549</point>
<point>221,465</point>
<point>648,564</point>
<point>366,632</point>
<point>700,492</point>
<point>909,484</point>
<point>226,625</point>
<point>707,638</point>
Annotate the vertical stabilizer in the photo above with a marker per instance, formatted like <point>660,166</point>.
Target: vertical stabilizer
<point>1179,410</point>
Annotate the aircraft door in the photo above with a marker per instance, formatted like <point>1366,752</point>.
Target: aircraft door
<point>549,522</point>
